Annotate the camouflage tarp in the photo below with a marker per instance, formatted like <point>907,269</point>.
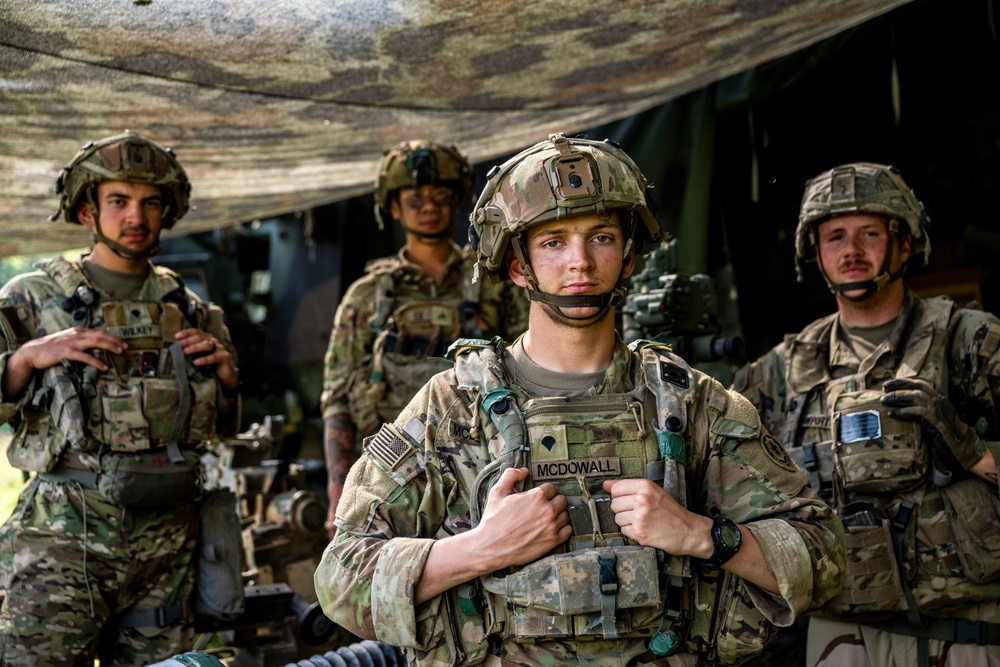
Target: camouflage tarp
<point>278,106</point>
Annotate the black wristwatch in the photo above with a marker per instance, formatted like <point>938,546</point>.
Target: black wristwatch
<point>726,538</point>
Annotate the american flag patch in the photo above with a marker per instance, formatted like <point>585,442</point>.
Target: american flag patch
<point>388,447</point>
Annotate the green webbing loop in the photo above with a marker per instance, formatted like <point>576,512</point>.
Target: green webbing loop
<point>671,446</point>
<point>494,396</point>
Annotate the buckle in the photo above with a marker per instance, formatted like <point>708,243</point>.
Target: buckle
<point>968,632</point>
<point>608,577</point>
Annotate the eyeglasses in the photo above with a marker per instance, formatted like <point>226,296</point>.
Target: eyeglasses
<point>439,198</point>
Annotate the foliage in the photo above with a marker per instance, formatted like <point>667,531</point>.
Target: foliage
<point>12,266</point>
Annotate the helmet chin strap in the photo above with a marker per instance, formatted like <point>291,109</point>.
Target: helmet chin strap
<point>604,302</point>
<point>883,278</point>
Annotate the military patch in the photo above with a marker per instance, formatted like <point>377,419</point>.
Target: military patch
<point>461,432</point>
<point>548,442</point>
<point>597,467</point>
<point>816,421</point>
<point>388,447</point>
<point>776,452</point>
<point>135,331</point>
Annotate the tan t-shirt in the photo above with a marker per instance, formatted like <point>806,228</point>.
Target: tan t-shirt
<point>540,382</point>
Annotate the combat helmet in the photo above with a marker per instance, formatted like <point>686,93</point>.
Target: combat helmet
<point>552,180</point>
<point>412,164</point>
<point>125,157</point>
<point>862,187</point>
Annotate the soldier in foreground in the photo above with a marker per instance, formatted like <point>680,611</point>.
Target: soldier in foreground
<point>890,406</point>
<point>112,373</point>
<point>394,324</point>
<point>569,500</point>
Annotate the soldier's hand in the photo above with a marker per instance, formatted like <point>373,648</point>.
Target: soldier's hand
<point>75,344</point>
<point>953,442</point>
<point>650,516</point>
<point>205,350</point>
<point>522,527</point>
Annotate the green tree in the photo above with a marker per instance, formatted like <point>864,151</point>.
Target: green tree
<point>12,266</point>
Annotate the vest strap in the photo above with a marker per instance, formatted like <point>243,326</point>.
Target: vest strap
<point>163,616</point>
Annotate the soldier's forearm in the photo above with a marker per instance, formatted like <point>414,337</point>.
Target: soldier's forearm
<point>338,446</point>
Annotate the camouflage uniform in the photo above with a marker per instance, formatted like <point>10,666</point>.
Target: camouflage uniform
<point>921,551</point>
<point>951,558</point>
<point>392,284</point>
<point>90,565</point>
<point>402,494</point>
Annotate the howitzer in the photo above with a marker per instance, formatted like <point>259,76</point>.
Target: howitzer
<point>283,540</point>
<point>676,309</point>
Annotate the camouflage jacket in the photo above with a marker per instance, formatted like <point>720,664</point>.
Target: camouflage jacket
<point>392,511</point>
<point>38,299</point>
<point>951,549</point>
<point>366,310</point>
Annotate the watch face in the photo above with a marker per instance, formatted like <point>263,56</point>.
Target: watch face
<point>730,534</point>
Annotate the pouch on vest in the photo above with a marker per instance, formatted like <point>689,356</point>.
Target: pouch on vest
<point>219,592</point>
<point>872,587</point>
<point>432,320</point>
<point>149,478</point>
<point>572,594</point>
<point>467,612</point>
<point>873,452</point>
<point>31,448</point>
<point>974,513</point>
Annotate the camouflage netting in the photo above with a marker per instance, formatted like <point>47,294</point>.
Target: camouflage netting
<point>275,107</point>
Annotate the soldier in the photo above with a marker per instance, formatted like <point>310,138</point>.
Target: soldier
<point>568,499</point>
<point>112,373</point>
<point>890,406</point>
<point>394,324</point>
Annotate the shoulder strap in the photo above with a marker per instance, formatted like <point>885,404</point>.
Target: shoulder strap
<point>383,300</point>
<point>80,295</point>
<point>671,382</point>
<point>66,274</point>
<point>926,345</point>
<point>479,370</point>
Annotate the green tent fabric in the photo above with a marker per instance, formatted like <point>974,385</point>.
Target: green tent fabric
<point>282,106</point>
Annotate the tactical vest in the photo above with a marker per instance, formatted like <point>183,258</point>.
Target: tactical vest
<point>412,336</point>
<point>876,472</point>
<point>599,584</point>
<point>151,396</point>
<point>836,429</point>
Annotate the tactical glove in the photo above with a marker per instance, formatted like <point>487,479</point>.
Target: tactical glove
<point>953,442</point>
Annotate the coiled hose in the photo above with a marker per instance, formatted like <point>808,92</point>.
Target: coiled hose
<point>361,654</point>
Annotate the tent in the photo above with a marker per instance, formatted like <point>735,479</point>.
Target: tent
<point>282,106</point>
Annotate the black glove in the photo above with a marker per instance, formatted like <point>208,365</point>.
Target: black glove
<point>953,442</point>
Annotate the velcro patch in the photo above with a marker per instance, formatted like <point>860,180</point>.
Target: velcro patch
<point>461,432</point>
<point>388,447</point>
<point>776,452</point>
<point>597,467</point>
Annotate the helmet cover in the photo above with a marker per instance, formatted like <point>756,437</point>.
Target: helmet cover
<point>860,187</point>
<point>552,180</point>
<point>412,164</point>
<point>126,157</point>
